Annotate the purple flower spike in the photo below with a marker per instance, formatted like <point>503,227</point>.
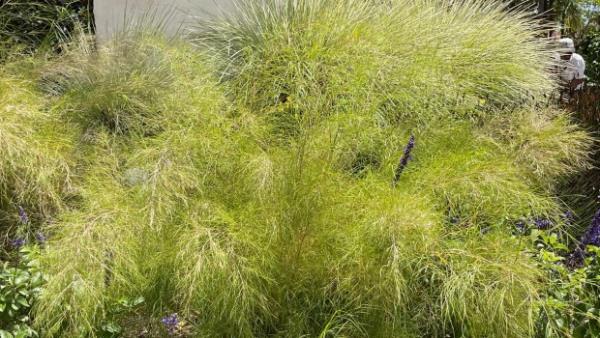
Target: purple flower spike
<point>18,243</point>
<point>404,159</point>
<point>569,216</point>
<point>543,224</point>
<point>171,323</point>
<point>23,215</point>
<point>41,238</point>
<point>592,235</point>
<point>521,226</point>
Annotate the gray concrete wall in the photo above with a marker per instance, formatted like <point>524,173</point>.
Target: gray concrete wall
<point>112,15</point>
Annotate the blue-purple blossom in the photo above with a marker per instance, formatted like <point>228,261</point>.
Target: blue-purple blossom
<point>569,216</point>
<point>40,237</point>
<point>575,259</point>
<point>23,215</point>
<point>543,224</point>
<point>404,159</point>
<point>521,227</point>
<point>18,243</point>
<point>592,235</point>
<point>171,323</point>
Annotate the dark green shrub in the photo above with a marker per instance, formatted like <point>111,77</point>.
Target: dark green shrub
<point>570,307</point>
<point>20,286</point>
<point>589,47</point>
<point>26,25</point>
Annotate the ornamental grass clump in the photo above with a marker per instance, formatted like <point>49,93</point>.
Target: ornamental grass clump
<point>402,60</point>
<point>245,185</point>
<point>35,155</point>
<point>106,89</point>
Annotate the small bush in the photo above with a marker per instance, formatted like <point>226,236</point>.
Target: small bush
<point>570,299</point>
<point>20,285</point>
<point>332,180</point>
<point>590,47</point>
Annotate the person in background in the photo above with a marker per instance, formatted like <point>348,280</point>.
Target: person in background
<point>571,69</point>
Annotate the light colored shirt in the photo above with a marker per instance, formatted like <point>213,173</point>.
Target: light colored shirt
<point>573,69</point>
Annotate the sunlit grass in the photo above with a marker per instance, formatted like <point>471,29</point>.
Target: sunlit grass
<point>35,155</point>
<point>246,184</point>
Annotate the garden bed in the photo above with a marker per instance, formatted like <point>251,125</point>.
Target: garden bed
<point>302,168</point>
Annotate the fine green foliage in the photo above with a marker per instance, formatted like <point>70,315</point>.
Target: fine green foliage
<point>107,89</point>
<point>35,148</point>
<point>247,188</point>
<point>547,143</point>
<point>416,60</point>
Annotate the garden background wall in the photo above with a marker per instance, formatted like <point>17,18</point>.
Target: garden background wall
<point>112,15</point>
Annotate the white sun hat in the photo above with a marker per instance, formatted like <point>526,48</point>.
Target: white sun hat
<point>567,44</point>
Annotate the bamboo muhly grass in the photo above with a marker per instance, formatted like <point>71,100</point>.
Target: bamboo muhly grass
<point>242,187</point>
<point>35,152</point>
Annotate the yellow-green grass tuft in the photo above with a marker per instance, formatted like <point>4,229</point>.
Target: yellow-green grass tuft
<point>35,154</point>
<point>250,190</point>
<point>398,59</point>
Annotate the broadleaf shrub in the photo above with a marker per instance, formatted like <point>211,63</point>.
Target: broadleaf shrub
<point>590,50</point>
<point>20,285</point>
<point>570,302</point>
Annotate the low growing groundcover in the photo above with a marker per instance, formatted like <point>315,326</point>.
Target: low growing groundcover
<point>300,168</point>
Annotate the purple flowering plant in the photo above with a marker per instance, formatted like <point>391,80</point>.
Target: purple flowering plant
<point>406,156</point>
<point>23,216</point>
<point>18,243</point>
<point>521,227</point>
<point>572,281</point>
<point>592,235</point>
<point>543,224</point>
<point>40,237</point>
<point>171,323</point>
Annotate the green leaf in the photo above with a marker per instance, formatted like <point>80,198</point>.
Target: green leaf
<point>111,327</point>
<point>23,302</point>
<point>139,300</point>
<point>579,331</point>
